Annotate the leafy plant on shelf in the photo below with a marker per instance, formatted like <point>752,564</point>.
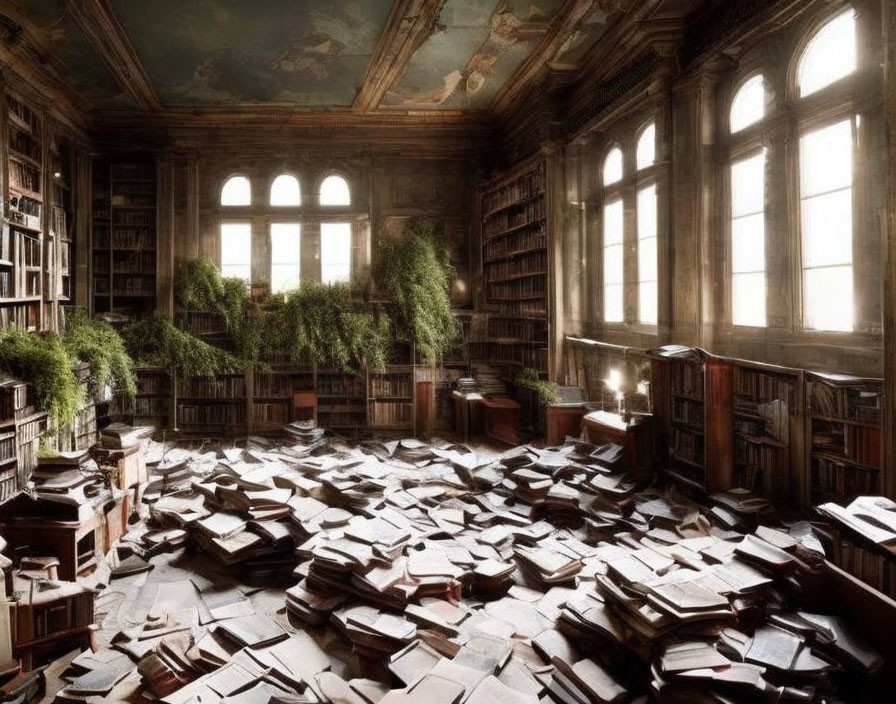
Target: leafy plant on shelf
<point>101,347</point>
<point>531,380</point>
<point>43,361</point>
<point>323,323</point>
<point>199,286</point>
<point>415,272</point>
<point>157,342</point>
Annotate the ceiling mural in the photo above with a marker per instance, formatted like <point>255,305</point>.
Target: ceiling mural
<point>70,52</point>
<point>583,37</point>
<point>225,52</point>
<point>474,51</point>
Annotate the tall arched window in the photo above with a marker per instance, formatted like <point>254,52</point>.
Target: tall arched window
<point>748,106</point>
<point>829,56</point>
<point>613,167</point>
<point>285,190</point>
<point>236,191</point>
<point>334,191</point>
<point>826,183</point>
<point>647,228</point>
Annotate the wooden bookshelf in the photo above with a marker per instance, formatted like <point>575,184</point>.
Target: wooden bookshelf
<point>151,404</point>
<point>390,398</point>
<point>516,269</point>
<point>58,250</point>
<point>843,436</point>
<point>123,242</point>
<point>212,405</point>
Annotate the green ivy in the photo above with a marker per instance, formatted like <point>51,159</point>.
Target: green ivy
<point>156,341</point>
<point>322,323</point>
<point>415,272</point>
<point>545,390</point>
<point>42,360</point>
<point>101,347</point>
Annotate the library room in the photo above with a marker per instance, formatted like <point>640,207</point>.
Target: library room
<point>447,351</point>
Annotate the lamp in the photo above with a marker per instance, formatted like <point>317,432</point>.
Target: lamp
<point>614,384</point>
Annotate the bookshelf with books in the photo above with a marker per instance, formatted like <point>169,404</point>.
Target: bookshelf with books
<point>341,400</point>
<point>280,395</point>
<point>767,429</point>
<point>515,269</point>
<point>21,242</point>
<point>844,437</point>
<point>58,249</point>
<point>391,398</point>
<point>212,405</point>
<point>123,271</point>
<point>151,404</point>
<point>693,392</point>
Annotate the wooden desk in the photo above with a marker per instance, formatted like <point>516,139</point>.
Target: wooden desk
<point>601,428</point>
<point>502,419</point>
<point>561,421</point>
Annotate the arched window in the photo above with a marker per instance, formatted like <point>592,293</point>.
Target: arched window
<point>748,285</point>
<point>613,167</point>
<point>236,191</point>
<point>236,250</point>
<point>830,54</point>
<point>614,269</point>
<point>334,191</point>
<point>285,190</point>
<point>335,252</point>
<point>646,154</point>
<point>748,106</point>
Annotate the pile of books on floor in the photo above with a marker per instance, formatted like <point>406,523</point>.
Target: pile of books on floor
<point>453,575</point>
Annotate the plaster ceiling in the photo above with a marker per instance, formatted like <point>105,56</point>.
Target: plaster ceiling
<point>308,54</point>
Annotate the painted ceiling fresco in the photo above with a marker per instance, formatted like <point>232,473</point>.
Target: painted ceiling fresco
<point>583,37</point>
<point>221,52</point>
<point>474,52</point>
<point>71,53</point>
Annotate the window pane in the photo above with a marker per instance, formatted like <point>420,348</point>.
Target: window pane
<point>830,55</point>
<point>748,299</point>
<point>748,186</point>
<point>827,229</point>
<point>613,167</point>
<point>335,252</point>
<point>285,190</point>
<point>613,267</point>
<point>647,260</point>
<point>236,191</point>
<point>826,159</point>
<point>613,223</point>
<point>646,154</point>
<point>613,303</point>
<point>285,256</point>
<point>748,106</point>
<point>236,250</point>
<point>647,212</point>
<point>829,298</point>
<point>748,244</point>
<point>334,191</point>
<point>647,306</point>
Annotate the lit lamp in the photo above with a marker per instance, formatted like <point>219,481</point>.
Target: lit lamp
<point>614,384</point>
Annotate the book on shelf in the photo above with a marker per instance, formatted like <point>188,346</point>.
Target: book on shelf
<point>229,415</point>
<point>221,387</point>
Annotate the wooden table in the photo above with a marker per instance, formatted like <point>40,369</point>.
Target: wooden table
<point>602,427</point>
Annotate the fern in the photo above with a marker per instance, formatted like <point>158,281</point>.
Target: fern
<point>101,347</point>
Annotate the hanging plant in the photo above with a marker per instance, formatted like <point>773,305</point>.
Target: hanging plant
<point>156,341</point>
<point>415,272</point>
<point>101,347</point>
<point>546,391</point>
<point>42,360</point>
<point>322,323</point>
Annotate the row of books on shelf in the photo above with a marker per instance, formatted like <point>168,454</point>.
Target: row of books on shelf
<point>860,444</point>
<point>498,328</point>
<point>69,613</point>
<point>759,386</point>
<point>687,446</point>
<point>871,566</point>
<point>31,429</point>
<point>24,143</point>
<point>341,385</point>
<point>22,116</point>
<point>687,412</point>
<point>390,413</point>
<point>524,242</point>
<point>146,406</point>
<point>225,414</point>
<point>125,171</point>
<point>687,380</point>
<point>271,413</point>
<point>274,385</point>
<point>133,200</point>
<point>132,238</point>
<point>830,476</point>
<point>532,287</point>
<point>133,285</point>
<point>24,176</point>
<point>846,403</point>
<point>392,385</point>
<point>133,220</point>
<point>23,211</point>
<point>535,264</point>
<point>222,387</point>
<point>525,355</point>
<point>532,308</point>
<point>758,457</point>
<point>528,185</point>
<point>530,213</point>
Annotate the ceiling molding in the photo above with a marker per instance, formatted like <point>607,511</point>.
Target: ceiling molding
<point>103,30</point>
<point>570,16</point>
<point>410,23</point>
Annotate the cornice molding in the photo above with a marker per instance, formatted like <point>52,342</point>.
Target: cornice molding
<point>105,33</point>
<point>410,23</point>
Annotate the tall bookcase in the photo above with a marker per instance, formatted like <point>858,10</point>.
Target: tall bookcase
<point>844,436</point>
<point>21,244</point>
<point>58,276</point>
<point>516,269</point>
<point>123,256</point>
